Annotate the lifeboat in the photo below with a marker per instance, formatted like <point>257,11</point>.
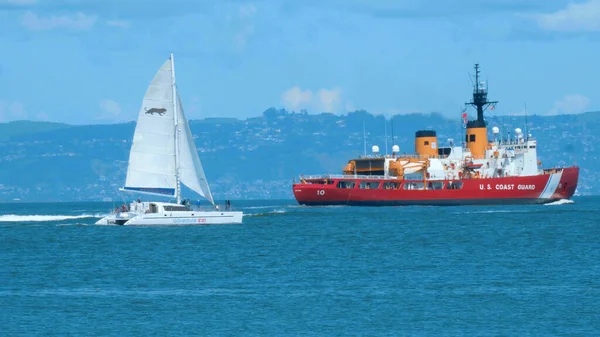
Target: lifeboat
<point>473,166</point>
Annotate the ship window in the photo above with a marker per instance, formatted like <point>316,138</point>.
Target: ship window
<point>177,208</point>
<point>455,185</point>
<point>346,184</point>
<point>416,185</point>
<point>471,138</point>
<point>444,151</point>
<point>426,142</point>
<point>532,147</point>
<point>390,185</point>
<point>318,182</point>
<point>467,138</point>
<point>368,184</point>
<point>435,185</point>
<point>151,209</point>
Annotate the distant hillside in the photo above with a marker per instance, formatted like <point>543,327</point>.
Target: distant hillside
<point>15,129</point>
<point>257,157</point>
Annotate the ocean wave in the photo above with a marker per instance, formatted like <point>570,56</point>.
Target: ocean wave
<point>277,211</point>
<point>561,202</point>
<point>72,224</point>
<point>44,218</point>
<point>100,292</point>
<point>493,211</point>
<point>259,207</point>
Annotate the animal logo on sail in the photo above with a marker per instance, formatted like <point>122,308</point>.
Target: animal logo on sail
<point>160,111</point>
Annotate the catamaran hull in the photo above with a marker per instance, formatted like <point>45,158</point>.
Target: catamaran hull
<point>198,218</point>
<point>540,189</point>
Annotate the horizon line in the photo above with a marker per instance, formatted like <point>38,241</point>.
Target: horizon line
<point>301,113</point>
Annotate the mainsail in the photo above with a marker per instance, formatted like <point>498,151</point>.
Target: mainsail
<point>154,156</point>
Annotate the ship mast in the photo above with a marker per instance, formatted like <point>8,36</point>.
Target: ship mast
<point>176,131</point>
<point>479,102</point>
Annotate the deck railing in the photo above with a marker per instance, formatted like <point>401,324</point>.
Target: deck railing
<point>348,176</point>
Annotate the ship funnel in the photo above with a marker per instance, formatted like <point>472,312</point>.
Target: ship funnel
<point>426,143</point>
<point>476,135</point>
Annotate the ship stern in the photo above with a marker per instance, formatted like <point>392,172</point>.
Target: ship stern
<point>568,183</point>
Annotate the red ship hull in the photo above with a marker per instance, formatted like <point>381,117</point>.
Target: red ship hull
<point>539,189</point>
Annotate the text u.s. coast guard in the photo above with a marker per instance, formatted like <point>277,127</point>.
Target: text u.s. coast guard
<point>506,187</point>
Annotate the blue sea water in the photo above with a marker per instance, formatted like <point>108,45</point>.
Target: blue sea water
<point>293,270</point>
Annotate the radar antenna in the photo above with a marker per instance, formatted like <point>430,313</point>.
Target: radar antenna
<point>479,101</point>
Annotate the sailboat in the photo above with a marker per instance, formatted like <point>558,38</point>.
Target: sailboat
<point>163,156</point>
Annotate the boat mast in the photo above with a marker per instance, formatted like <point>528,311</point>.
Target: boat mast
<point>364,139</point>
<point>526,130</point>
<point>176,131</point>
<point>385,131</point>
<point>479,102</point>
<point>392,122</point>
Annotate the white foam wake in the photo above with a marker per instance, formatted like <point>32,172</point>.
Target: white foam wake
<point>560,202</point>
<point>276,211</point>
<point>43,218</point>
<point>259,207</point>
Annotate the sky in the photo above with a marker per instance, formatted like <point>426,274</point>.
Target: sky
<point>90,61</point>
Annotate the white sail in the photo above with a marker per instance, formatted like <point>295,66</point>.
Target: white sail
<point>191,173</point>
<point>152,158</point>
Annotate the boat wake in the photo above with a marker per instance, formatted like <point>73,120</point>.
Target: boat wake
<point>492,211</point>
<point>277,211</point>
<point>259,207</point>
<point>44,218</point>
<point>561,202</point>
<point>72,224</point>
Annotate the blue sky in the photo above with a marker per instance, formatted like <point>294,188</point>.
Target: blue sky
<point>90,61</point>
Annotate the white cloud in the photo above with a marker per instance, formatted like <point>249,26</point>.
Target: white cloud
<point>111,107</point>
<point>111,111</point>
<point>17,110</point>
<point>570,104</point>
<point>2,111</point>
<point>246,26</point>
<point>350,106</point>
<point>330,100</point>
<point>77,21</point>
<point>575,17</point>
<point>243,35</point>
<point>118,23</point>
<point>42,116</point>
<point>12,111</point>
<point>194,107</point>
<point>247,11</point>
<point>18,2</point>
<point>296,99</point>
<point>324,100</point>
